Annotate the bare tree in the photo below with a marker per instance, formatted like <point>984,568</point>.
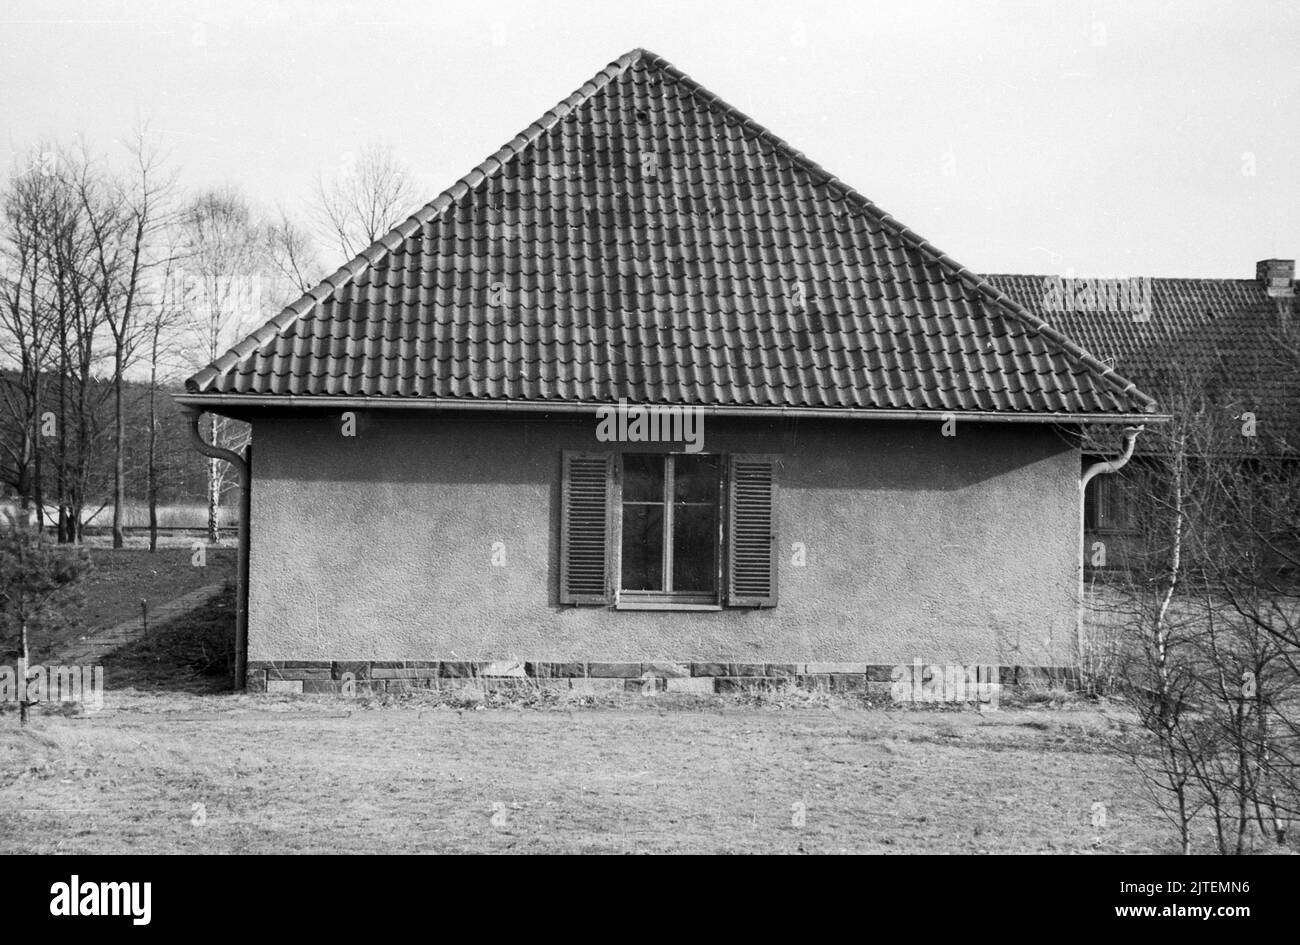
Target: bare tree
<point>1212,602</point>
<point>25,321</point>
<point>1154,668</point>
<point>164,322</point>
<point>125,218</point>
<point>367,198</point>
<point>80,317</point>
<point>224,259</point>
<point>67,283</point>
<point>293,253</point>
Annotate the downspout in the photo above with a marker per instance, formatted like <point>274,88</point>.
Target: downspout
<point>1111,465</point>
<point>241,464</point>
<point>1105,467</point>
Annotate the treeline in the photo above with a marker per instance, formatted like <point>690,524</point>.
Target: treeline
<point>84,457</point>
<point>116,283</point>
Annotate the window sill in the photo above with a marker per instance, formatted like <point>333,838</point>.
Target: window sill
<point>644,604</point>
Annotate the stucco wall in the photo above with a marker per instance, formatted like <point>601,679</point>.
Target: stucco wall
<point>959,548</point>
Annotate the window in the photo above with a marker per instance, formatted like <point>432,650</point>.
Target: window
<point>1106,505</point>
<point>670,527</point>
<point>668,530</point>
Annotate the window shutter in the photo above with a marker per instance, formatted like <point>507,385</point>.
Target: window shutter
<point>585,542</point>
<point>751,531</point>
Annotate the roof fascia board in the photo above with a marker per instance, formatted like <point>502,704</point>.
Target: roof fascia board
<point>215,403</point>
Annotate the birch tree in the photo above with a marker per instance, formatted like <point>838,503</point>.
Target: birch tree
<point>1211,594</point>
<point>223,260</point>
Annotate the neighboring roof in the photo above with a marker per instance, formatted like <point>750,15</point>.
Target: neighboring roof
<point>1227,338</point>
<point>644,240</point>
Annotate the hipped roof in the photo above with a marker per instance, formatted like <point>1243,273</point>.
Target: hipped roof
<point>643,240</point>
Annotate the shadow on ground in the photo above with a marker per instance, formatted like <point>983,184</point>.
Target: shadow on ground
<point>192,653</point>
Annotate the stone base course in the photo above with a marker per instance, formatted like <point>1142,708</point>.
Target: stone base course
<point>350,677</point>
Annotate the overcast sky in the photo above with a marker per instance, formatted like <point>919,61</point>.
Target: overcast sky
<point>1095,139</point>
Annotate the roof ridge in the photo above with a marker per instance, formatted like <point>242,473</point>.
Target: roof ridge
<point>408,227</point>
<point>1057,275</point>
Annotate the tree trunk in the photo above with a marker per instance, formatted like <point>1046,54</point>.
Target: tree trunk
<point>25,478</point>
<point>22,671</point>
<point>152,471</point>
<point>1184,824</point>
<point>1175,567</point>
<point>38,493</point>
<point>83,453</point>
<point>214,485</point>
<point>119,450</point>
<point>61,457</point>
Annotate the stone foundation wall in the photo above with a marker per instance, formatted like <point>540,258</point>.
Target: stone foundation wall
<point>361,677</point>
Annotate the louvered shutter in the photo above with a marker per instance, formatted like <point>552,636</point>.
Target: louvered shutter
<point>585,534</point>
<point>751,531</point>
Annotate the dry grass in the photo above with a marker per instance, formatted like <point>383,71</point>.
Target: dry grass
<point>644,775</point>
<point>175,515</point>
<point>530,771</point>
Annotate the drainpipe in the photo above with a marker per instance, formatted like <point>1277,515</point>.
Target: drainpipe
<point>1111,465</point>
<point>1105,467</point>
<point>241,464</point>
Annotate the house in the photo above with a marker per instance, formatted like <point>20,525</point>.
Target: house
<point>887,468</point>
<point>1234,341</point>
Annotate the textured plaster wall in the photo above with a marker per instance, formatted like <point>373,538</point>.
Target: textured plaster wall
<point>380,546</point>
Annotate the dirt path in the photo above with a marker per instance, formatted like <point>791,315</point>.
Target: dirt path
<point>98,643</point>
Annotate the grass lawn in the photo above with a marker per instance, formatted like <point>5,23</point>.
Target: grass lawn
<point>174,762</point>
<point>120,578</point>
<point>328,775</point>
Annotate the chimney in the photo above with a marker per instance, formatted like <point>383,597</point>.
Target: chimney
<point>1277,277</point>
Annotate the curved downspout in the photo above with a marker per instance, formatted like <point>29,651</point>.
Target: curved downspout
<point>1105,467</point>
<point>1112,465</point>
<point>241,465</point>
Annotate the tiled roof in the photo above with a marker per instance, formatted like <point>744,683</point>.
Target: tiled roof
<point>1224,337</point>
<point>645,240</point>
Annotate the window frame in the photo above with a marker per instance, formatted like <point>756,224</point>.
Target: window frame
<point>590,533</point>
<point>1107,505</point>
<point>628,599</point>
